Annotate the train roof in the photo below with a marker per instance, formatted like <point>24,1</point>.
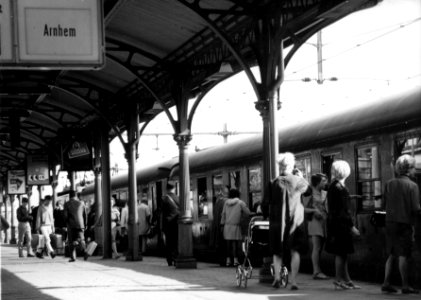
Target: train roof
<point>394,112</point>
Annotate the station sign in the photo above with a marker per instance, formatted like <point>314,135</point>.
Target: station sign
<point>16,182</point>
<point>37,169</point>
<point>78,149</point>
<point>57,34</point>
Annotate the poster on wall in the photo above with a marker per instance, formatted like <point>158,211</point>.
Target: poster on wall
<point>16,182</point>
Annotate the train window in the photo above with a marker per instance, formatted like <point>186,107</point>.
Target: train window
<point>412,147</point>
<point>304,165</point>
<point>216,186</point>
<point>368,177</point>
<point>255,187</point>
<point>202,201</point>
<point>327,161</point>
<point>235,180</point>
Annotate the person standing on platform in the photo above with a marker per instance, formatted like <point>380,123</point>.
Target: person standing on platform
<point>144,214</point>
<point>402,204</point>
<point>24,227</point>
<point>340,226</point>
<point>170,212</point>
<point>59,220</point>
<point>75,216</point>
<point>218,229</point>
<point>124,229</point>
<point>282,204</point>
<point>316,209</point>
<point>45,225</point>
<point>115,226</point>
<point>234,211</point>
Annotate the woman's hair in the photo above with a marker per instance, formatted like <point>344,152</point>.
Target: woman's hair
<point>404,163</point>
<point>340,169</point>
<point>233,193</point>
<point>286,162</point>
<point>317,178</point>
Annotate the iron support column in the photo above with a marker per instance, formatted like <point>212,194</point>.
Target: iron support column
<point>131,155</point>
<point>106,194</point>
<point>185,257</point>
<point>98,193</point>
<point>12,220</point>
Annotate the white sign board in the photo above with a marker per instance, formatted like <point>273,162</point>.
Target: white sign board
<point>57,34</point>
<point>37,169</point>
<point>6,42</point>
<point>16,183</point>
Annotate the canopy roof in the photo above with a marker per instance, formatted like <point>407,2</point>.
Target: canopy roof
<point>148,43</point>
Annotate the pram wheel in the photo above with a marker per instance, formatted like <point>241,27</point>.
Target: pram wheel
<point>283,274</point>
<point>241,275</point>
<point>238,275</point>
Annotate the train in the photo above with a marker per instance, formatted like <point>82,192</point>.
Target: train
<point>369,138</point>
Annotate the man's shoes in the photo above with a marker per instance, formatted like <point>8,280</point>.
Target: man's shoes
<point>85,257</point>
<point>410,291</point>
<point>30,255</point>
<point>389,289</point>
<point>52,254</point>
<point>320,276</point>
<point>72,260</point>
<point>39,255</point>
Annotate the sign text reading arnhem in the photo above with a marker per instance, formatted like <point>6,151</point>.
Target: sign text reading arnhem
<point>59,31</point>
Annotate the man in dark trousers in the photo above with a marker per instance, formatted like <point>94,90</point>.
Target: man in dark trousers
<point>75,216</point>
<point>170,212</point>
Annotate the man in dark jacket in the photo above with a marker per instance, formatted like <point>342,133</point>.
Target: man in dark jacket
<point>170,212</point>
<point>24,227</point>
<point>75,216</point>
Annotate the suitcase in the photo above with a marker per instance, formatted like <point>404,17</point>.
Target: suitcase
<point>38,241</point>
<point>91,248</point>
<point>57,243</point>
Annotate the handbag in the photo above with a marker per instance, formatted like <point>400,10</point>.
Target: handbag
<point>378,218</point>
<point>152,231</point>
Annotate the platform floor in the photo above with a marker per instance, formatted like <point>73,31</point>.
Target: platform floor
<point>97,278</point>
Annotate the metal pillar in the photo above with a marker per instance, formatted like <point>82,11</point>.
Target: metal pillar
<point>12,220</point>
<point>106,193</point>
<point>98,193</point>
<point>6,232</point>
<point>131,155</point>
<point>185,257</point>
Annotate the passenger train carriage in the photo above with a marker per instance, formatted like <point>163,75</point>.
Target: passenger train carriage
<point>369,138</point>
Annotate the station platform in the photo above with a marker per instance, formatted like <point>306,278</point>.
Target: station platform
<point>98,278</point>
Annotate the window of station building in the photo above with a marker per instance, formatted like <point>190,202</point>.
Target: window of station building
<point>368,178</point>
<point>327,160</point>
<point>303,164</point>
<point>255,187</point>
<point>202,199</point>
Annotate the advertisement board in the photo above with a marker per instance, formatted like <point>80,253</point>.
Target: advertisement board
<point>16,182</point>
<point>37,169</point>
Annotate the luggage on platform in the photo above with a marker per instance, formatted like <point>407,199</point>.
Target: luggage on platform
<point>38,242</point>
<point>57,243</point>
<point>90,249</point>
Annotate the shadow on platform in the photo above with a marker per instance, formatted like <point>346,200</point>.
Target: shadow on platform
<point>19,289</point>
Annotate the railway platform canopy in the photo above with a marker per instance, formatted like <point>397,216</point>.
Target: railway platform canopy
<point>157,55</point>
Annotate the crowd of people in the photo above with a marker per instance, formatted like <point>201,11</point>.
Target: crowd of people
<point>289,201</point>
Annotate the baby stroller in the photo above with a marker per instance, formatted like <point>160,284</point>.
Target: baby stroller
<point>256,241</point>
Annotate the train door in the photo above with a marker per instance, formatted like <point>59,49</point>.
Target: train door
<point>327,161</point>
